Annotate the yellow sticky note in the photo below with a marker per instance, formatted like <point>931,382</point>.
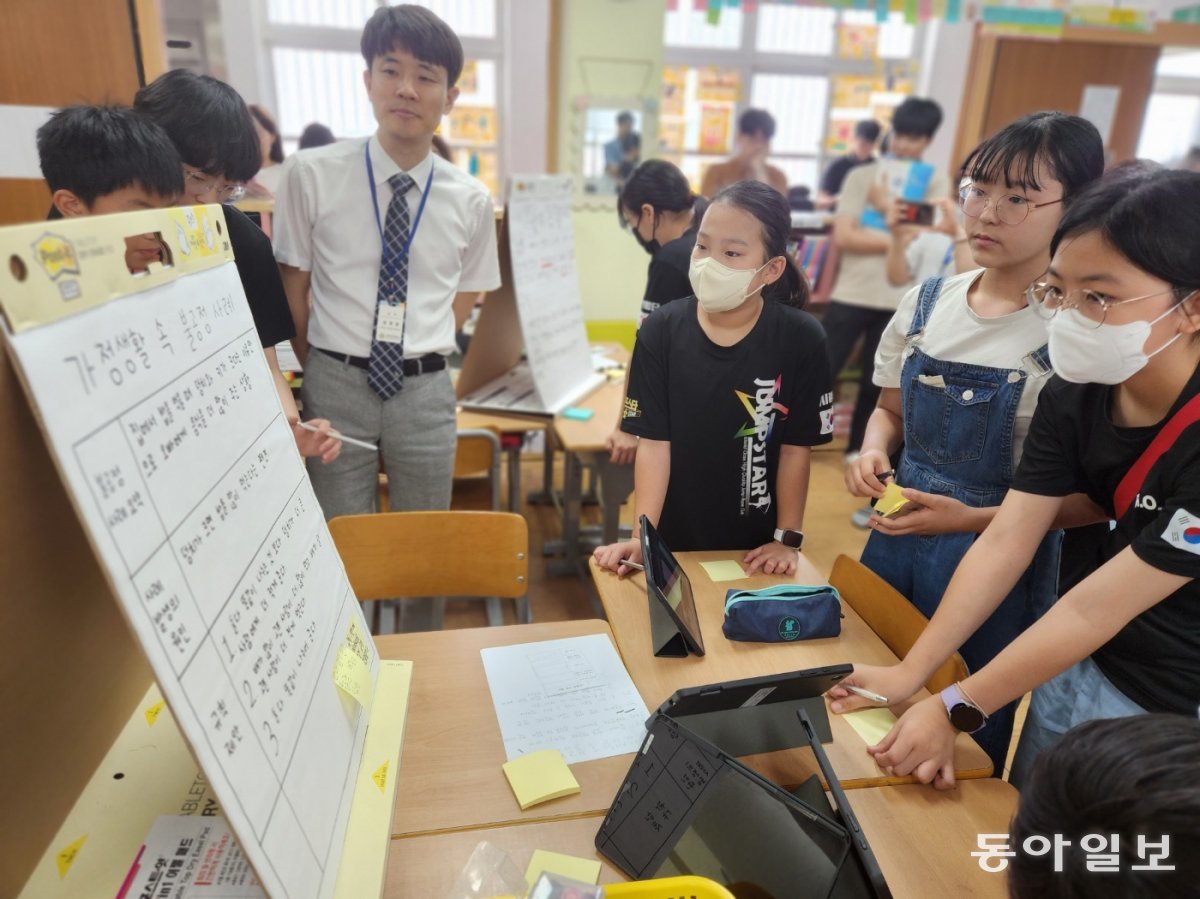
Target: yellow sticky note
<point>352,675</point>
<point>67,856</point>
<point>380,777</point>
<point>725,570</point>
<point>891,501</point>
<point>585,870</point>
<point>153,712</point>
<point>871,724</point>
<point>539,777</point>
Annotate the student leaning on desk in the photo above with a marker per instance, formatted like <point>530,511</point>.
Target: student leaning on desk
<point>1119,423</point>
<point>728,391</point>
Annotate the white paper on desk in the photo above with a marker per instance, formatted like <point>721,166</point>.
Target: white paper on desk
<point>192,857</point>
<point>573,695</point>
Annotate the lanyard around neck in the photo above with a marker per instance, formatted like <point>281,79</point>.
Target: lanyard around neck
<point>388,262</point>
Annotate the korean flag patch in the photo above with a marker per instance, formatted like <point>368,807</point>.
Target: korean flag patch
<point>826,421</point>
<point>1183,532</point>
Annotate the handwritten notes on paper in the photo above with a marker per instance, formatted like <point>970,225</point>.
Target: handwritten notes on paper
<point>572,695</point>
<point>162,415</point>
<point>352,667</point>
<point>542,245</point>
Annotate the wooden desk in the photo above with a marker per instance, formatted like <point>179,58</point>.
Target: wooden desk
<point>500,423</point>
<point>450,775</point>
<point>583,442</point>
<point>624,602</point>
<point>922,838</point>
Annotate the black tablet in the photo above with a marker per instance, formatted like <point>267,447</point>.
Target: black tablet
<point>757,714</point>
<point>685,807</point>
<point>668,586</point>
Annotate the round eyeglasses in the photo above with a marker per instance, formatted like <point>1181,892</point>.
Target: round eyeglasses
<point>1010,208</point>
<point>1047,299</point>
<point>199,183</point>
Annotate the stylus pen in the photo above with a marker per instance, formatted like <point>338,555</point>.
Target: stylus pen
<point>339,436</point>
<point>632,564</point>
<point>866,694</point>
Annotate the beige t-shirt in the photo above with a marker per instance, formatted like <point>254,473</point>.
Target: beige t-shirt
<point>862,277</point>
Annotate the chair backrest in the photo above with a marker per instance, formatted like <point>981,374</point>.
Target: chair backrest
<point>477,452</point>
<point>890,615</point>
<point>397,554</point>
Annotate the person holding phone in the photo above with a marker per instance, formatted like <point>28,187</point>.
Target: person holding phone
<point>729,391</point>
<point>960,367</point>
<point>1118,423</point>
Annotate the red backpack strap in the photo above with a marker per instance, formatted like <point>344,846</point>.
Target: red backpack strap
<point>1131,484</point>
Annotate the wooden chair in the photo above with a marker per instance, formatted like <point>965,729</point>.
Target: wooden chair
<point>890,615</point>
<point>392,555</point>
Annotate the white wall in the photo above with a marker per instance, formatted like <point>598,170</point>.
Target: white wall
<point>943,77</point>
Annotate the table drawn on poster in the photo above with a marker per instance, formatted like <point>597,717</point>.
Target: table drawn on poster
<point>163,417</point>
<point>573,695</point>
<point>542,247</point>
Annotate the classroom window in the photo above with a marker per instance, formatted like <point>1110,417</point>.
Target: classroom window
<point>688,27</point>
<point>468,18</point>
<point>1170,128</point>
<point>802,30</point>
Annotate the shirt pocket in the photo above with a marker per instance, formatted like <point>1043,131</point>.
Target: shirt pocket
<point>949,420</point>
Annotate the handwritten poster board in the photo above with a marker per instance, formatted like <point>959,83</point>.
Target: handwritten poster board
<point>159,409</point>
<point>542,246</point>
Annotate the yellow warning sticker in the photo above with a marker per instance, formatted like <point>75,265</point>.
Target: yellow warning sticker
<point>380,777</point>
<point>153,712</point>
<point>67,856</point>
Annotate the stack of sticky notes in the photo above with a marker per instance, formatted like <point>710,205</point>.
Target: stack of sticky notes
<point>892,501</point>
<point>539,777</point>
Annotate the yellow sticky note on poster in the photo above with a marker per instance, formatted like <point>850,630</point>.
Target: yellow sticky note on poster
<point>725,570</point>
<point>352,676</point>
<point>584,870</point>
<point>540,777</point>
<point>871,724</point>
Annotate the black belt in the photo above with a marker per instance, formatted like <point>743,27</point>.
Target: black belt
<point>422,365</point>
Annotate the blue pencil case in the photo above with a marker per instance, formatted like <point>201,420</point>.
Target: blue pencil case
<point>783,613</point>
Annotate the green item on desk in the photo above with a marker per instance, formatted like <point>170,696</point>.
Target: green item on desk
<point>578,414</point>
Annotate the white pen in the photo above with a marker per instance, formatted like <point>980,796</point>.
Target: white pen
<point>632,564</point>
<point>866,694</point>
<point>338,436</point>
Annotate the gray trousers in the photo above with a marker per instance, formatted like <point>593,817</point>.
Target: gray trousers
<point>416,434</point>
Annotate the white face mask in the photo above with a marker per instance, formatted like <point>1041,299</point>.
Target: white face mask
<point>718,287</point>
<point>1108,354</point>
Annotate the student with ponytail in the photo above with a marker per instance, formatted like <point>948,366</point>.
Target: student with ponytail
<point>729,390</point>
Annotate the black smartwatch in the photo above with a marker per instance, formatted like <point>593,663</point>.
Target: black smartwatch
<point>794,539</point>
<point>964,714</point>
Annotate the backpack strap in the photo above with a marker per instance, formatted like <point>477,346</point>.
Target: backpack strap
<point>930,290</point>
<point>1135,478</point>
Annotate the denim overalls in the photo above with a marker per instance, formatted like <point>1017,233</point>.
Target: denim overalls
<point>958,442</point>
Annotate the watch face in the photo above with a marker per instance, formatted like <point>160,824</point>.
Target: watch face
<point>966,718</point>
<point>791,538</point>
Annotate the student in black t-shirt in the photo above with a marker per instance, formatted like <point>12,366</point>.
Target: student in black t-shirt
<point>1119,422</point>
<point>658,207</point>
<point>211,128</point>
<point>728,392</point>
<point>866,133</point>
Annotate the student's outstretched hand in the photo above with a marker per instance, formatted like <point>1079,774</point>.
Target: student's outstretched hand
<point>611,556</point>
<point>316,443</point>
<point>622,447</point>
<point>891,681</point>
<point>862,475</point>
<point>920,744</point>
<point>935,515</point>
<point>772,558</point>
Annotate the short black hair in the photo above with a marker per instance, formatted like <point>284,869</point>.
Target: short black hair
<point>207,120</point>
<point>1119,777</point>
<point>659,183</point>
<point>264,118</point>
<point>625,118</point>
<point>757,121</point>
<point>1067,146</point>
<point>867,129</point>
<point>417,30</point>
<point>93,151</point>
<point>774,216</point>
<point>1148,214</point>
<point>315,135</point>
<point>917,117</point>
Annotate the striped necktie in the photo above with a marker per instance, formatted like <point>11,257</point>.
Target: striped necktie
<point>385,373</point>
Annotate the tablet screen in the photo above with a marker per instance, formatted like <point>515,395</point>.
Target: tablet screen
<point>666,578</point>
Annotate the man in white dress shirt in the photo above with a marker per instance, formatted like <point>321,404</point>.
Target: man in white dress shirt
<point>395,244</point>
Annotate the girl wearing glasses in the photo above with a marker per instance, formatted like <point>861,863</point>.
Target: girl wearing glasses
<point>961,365</point>
<point>1118,422</point>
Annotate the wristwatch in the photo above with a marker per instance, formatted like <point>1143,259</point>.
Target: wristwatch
<point>794,539</point>
<point>964,714</point>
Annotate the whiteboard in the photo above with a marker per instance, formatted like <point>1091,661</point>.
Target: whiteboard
<point>542,247</point>
<point>162,417</point>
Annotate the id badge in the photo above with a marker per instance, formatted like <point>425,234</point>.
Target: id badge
<point>389,324</point>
